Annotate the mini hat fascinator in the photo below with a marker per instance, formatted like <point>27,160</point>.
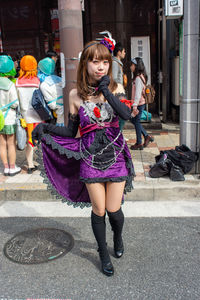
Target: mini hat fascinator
<point>47,66</point>
<point>108,42</point>
<point>6,64</point>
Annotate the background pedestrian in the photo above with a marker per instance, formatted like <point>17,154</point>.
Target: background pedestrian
<point>26,84</point>
<point>8,104</point>
<point>138,88</point>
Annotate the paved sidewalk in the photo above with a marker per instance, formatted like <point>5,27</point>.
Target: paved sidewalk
<point>31,187</point>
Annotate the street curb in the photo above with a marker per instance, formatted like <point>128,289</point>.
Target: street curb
<point>143,191</point>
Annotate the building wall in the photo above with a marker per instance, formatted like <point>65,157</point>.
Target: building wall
<point>25,25</point>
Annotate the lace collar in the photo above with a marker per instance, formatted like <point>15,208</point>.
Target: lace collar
<point>98,112</point>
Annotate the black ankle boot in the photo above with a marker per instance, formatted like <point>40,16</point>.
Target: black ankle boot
<point>99,229</point>
<point>117,221</point>
<point>118,247</point>
<point>106,264</point>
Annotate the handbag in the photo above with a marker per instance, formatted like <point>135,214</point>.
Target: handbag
<point>39,104</point>
<point>21,135</point>
<point>145,116</point>
<point>161,167</point>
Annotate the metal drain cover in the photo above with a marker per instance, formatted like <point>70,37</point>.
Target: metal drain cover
<point>38,245</point>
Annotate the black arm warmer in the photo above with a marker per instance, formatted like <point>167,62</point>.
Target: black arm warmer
<point>120,108</point>
<point>69,131</point>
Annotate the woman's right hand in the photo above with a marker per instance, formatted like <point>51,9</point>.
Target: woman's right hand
<point>38,132</point>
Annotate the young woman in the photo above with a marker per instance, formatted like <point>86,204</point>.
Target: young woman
<point>26,84</point>
<point>8,104</point>
<point>51,88</point>
<point>100,159</point>
<point>139,82</point>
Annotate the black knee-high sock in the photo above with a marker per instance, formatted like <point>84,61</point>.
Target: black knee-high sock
<point>99,230</point>
<point>116,221</point>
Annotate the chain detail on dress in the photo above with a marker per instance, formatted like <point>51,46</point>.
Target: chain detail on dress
<point>85,154</point>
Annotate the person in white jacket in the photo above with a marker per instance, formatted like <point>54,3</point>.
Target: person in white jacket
<point>8,104</point>
<point>51,88</point>
<point>26,84</point>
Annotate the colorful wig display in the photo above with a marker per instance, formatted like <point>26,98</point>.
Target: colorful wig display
<point>28,66</point>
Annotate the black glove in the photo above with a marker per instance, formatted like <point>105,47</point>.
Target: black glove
<point>38,132</point>
<point>120,108</point>
<point>69,131</point>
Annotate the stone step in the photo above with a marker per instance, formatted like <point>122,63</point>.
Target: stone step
<point>152,190</point>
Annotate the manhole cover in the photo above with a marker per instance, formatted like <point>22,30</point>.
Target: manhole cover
<point>38,245</point>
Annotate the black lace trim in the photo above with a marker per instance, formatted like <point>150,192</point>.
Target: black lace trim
<point>104,179</point>
<point>50,187</point>
<point>69,153</point>
<point>55,146</point>
<point>128,178</point>
<point>49,141</point>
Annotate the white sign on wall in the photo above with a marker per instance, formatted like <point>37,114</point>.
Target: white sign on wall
<point>62,66</point>
<point>140,47</point>
<point>173,9</point>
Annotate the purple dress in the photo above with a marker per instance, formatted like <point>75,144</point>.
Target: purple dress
<point>99,155</point>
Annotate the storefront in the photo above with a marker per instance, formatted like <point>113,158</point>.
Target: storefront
<point>26,26</point>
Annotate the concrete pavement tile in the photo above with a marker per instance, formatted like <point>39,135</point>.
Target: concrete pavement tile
<point>175,138</point>
<point>148,155</point>
<point>164,141</point>
<point>131,141</point>
<point>37,172</point>
<point>135,161</point>
<point>2,178</point>
<point>20,178</point>
<point>164,133</point>
<point>191,177</point>
<point>150,179</point>
<point>136,155</point>
<point>150,150</point>
<point>139,177</point>
<point>1,171</point>
<point>35,178</point>
<point>138,167</point>
<point>152,145</point>
<point>165,148</point>
<point>164,179</point>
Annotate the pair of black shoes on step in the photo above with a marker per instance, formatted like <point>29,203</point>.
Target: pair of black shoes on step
<point>107,266</point>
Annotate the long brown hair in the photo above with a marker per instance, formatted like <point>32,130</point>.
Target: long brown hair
<point>92,49</point>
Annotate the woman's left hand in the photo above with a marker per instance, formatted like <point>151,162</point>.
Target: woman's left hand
<point>134,112</point>
<point>103,83</point>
